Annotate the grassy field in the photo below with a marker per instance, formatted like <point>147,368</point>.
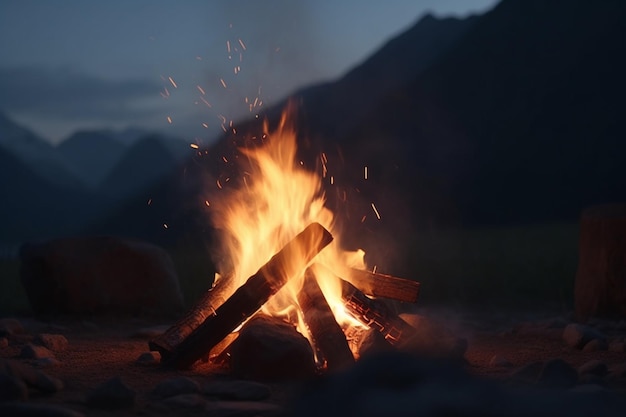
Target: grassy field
<point>522,267</point>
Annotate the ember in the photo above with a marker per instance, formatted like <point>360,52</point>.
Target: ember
<point>279,199</point>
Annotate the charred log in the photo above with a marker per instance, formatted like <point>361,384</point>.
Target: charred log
<point>330,341</point>
<point>376,315</point>
<point>249,298</point>
<point>385,286</point>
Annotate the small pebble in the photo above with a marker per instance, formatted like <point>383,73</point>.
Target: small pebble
<point>594,367</point>
<point>148,358</point>
<point>54,342</point>
<point>31,351</point>
<point>498,361</point>
<point>176,386</point>
<point>595,345</point>
<point>113,394</point>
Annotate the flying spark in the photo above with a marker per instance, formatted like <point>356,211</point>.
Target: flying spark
<point>172,81</point>
<point>376,211</point>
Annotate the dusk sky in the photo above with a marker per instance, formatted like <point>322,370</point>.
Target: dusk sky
<point>78,64</point>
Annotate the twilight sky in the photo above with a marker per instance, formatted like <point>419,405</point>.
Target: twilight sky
<point>78,64</point>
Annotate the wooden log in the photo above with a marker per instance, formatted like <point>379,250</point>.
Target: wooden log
<point>386,286</point>
<point>329,339</point>
<point>207,305</point>
<point>376,315</point>
<point>600,288</point>
<point>251,296</point>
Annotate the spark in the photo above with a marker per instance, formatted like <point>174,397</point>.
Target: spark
<point>243,46</point>
<point>201,90</point>
<point>172,81</point>
<point>365,172</point>
<point>228,46</point>
<point>332,180</point>
<point>149,201</point>
<point>165,225</point>
<point>206,102</point>
<point>204,125</point>
<point>206,203</point>
<point>376,211</point>
<point>223,82</point>
<point>169,119</point>
<point>363,218</point>
<point>224,159</point>
<point>194,146</point>
<point>198,58</point>
<point>219,184</point>
<point>374,269</point>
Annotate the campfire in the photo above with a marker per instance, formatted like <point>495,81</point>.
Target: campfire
<point>282,257</point>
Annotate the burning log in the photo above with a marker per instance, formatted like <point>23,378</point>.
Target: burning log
<point>207,305</point>
<point>329,339</point>
<point>386,286</point>
<point>251,296</point>
<point>377,315</point>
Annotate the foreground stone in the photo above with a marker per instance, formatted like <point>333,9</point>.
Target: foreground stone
<point>54,342</point>
<point>125,276</point>
<point>176,386</point>
<point>113,394</point>
<point>9,327</point>
<point>403,385</point>
<point>237,390</point>
<point>31,351</point>
<point>33,378</point>
<point>269,348</point>
<point>577,335</point>
<point>36,410</point>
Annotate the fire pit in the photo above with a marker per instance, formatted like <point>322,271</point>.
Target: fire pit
<point>275,222</point>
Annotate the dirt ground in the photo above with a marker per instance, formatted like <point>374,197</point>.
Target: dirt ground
<point>102,349</point>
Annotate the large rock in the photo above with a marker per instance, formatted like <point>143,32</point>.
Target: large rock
<point>601,276</point>
<point>99,275</point>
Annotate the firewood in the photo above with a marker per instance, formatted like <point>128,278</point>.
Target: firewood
<point>251,296</point>
<point>385,286</point>
<point>330,341</point>
<point>207,305</point>
<point>376,315</point>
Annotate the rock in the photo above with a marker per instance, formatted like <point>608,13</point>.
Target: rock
<point>31,351</point>
<point>577,335</point>
<point>33,378</point>
<point>558,374</point>
<point>595,345</point>
<point>113,394</point>
<point>498,361</point>
<point>176,386</point>
<point>150,332</point>
<point>10,327</point>
<point>54,342</point>
<point>528,373</point>
<point>12,388</point>
<point>36,410</point>
<point>618,371</point>
<point>48,362</point>
<point>600,288</point>
<point>591,379</point>
<point>269,348</point>
<point>617,346</point>
<point>186,401</point>
<point>433,338</point>
<point>593,367</point>
<point>243,409</point>
<point>148,358</point>
<point>125,277</point>
<point>588,389</point>
<point>372,342</point>
<point>4,342</point>
<point>237,390</point>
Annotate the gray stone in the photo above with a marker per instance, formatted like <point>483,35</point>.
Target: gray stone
<point>591,379</point>
<point>148,358</point>
<point>433,338</point>
<point>31,351</point>
<point>48,362</point>
<point>125,277</point>
<point>577,335</point>
<point>186,401</point>
<point>12,388</point>
<point>4,342</point>
<point>33,378</point>
<point>617,346</point>
<point>498,361</point>
<point>113,394</point>
<point>594,367</point>
<point>243,409</point>
<point>176,386</point>
<point>595,345</point>
<point>36,410</point>
<point>54,342</point>
<point>10,327</point>
<point>558,374</point>
<point>269,348</point>
<point>528,373</point>
<point>237,390</point>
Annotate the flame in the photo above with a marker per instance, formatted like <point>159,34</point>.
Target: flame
<point>277,199</point>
